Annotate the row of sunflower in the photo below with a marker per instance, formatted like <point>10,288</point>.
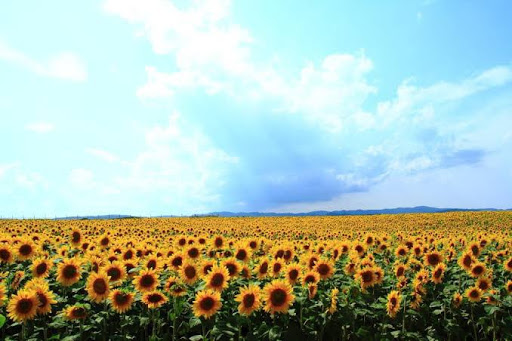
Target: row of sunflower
<point>416,276</point>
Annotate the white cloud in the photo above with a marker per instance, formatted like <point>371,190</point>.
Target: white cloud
<point>31,180</point>
<point>102,154</point>
<point>40,127</point>
<point>81,178</point>
<point>64,65</point>
<point>4,168</point>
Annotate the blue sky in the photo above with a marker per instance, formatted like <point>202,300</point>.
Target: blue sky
<point>177,107</point>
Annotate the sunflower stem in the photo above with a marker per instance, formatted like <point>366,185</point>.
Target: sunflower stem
<point>473,322</point>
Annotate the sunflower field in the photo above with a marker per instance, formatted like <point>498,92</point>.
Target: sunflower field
<point>445,276</point>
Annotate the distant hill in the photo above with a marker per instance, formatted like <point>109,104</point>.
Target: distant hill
<point>398,210</point>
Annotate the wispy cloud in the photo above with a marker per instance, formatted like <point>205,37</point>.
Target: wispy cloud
<point>102,154</point>
<point>64,65</point>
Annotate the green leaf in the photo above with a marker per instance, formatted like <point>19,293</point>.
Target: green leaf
<point>196,338</point>
<point>2,320</point>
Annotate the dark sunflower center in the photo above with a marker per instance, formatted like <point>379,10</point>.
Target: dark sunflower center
<point>483,285</point>
<point>190,272</point>
<point>467,261</point>
<point>438,273</point>
<point>323,269</point>
<point>280,254</point>
<point>43,301</point>
<point>367,276</point>
<point>264,268</point>
<point>79,312</point>
<point>393,301</point>
<point>146,281</point>
<point>253,245</point>
<point>24,306</point>
<point>433,259</point>
<point>401,252</point>
<point>151,264</point>
<point>4,254</point>
<point>207,268</point>
<point>232,268</point>
<point>473,294</point>
<point>193,253</point>
<point>241,255</point>
<point>249,300</point>
<point>25,249</point>
<point>312,262</point>
<point>75,237</point>
<point>478,270</point>
<point>177,261</point>
<point>277,267</point>
<point>69,271</point>
<point>155,298</point>
<point>121,298</point>
<point>114,273</point>
<point>400,271</point>
<point>128,255</point>
<point>207,303</point>
<point>218,242</point>
<point>41,268</point>
<point>293,274</point>
<point>309,279</point>
<point>104,241</point>
<point>217,280</point>
<point>278,297</point>
<point>100,286</point>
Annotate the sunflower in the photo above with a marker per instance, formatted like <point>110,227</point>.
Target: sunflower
<point>400,270</point>
<point>466,260</point>
<point>278,296</point>
<point>491,297</point>
<point>68,272</point>
<point>457,300</point>
<point>152,263</point>
<point>325,269</point>
<point>25,249</point>
<point>41,267</point>
<point>175,287</point>
<point>116,271</point>
<point>474,294</point>
<point>484,283</point>
<point>310,277</point>
<point>232,265</point>
<point>206,267</point>
<point>242,254</point>
<point>276,266</point>
<point>76,237</point>
<point>508,286</point>
<point>217,278</point>
<point>416,299</point>
<point>262,269</point>
<point>3,294</point>
<point>98,286</point>
<point>46,298</point>
<point>154,299</point>
<point>75,312</point>
<point>176,261</point>
<point>312,291</point>
<point>393,305</point>
<point>249,299</point>
<point>292,273</point>
<point>508,265</point>
<point>218,242</point>
<point>23,306</point>
<point>366,277</point>
<point>433,258</point>
<point>478,269</point>
<point>206,303</point>
<point>18,277</point>
<point>245,272</point>
<point>121,301</point>
<point>193,252</point>
<point>189,272</point>
<point>438,273</point>
<point>474,248</point>
<point>334,300</point>
<point>6,255</point>
<point>401,251</point>
<point>147,280</point>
